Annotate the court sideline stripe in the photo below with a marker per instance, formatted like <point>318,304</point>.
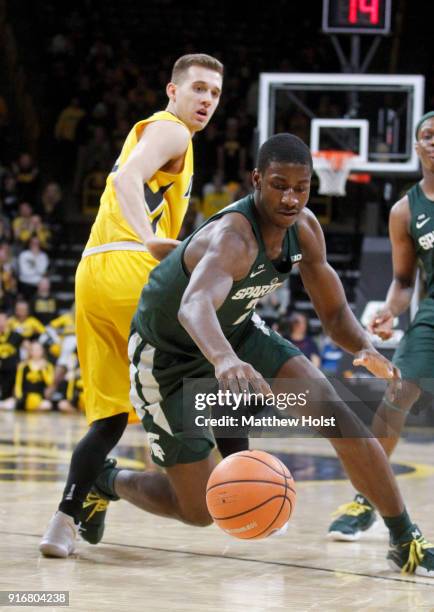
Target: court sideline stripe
<point>233,558</point>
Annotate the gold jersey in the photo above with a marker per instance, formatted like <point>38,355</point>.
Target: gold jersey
<point>165,198</point>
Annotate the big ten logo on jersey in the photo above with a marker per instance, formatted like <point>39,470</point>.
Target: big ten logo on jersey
<point>254,294</point>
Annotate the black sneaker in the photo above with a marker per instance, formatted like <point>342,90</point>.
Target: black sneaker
<point>355,518</point>
<point>94,509</point>
<point>412,554</point>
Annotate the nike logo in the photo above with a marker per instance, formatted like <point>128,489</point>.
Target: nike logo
<point>420,224</point>
<point>154,200</point>
<point>253,274</point>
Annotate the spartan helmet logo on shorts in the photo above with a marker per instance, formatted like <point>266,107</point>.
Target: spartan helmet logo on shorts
<point>156,449</point>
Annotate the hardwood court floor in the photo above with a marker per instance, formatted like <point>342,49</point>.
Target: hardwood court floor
<point>151,563</point>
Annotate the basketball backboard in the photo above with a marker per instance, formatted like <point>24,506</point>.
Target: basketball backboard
<point>373,116</point>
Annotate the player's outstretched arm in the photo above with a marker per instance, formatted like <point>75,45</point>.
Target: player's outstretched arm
<point>227,258</point>
<point>160,143</point>
<point>404,271</point>
<point>328,298</point>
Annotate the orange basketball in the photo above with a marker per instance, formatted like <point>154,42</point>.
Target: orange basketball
<point>250,494</point>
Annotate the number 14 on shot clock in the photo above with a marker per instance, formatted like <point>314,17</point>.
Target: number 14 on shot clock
<point>356,16</point>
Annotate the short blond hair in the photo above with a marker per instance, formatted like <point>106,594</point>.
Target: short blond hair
<point>184,62</point>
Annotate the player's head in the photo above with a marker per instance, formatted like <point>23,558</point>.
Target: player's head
<point>282,178</point>
<point>194,89</point>
<point>425,141</point>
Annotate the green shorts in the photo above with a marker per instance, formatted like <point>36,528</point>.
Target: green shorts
<point>415,353</point>
<point>157,389</point>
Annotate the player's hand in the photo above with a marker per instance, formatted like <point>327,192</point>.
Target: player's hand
<point>380,367</point>
<point>237,376</point>
<point>377,364</point>
<point>161,247</point>
<point>381,323</point>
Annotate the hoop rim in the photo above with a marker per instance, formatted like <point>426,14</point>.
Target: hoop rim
<point>335,159</point>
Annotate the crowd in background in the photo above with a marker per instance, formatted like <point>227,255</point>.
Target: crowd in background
<point>38,363</point>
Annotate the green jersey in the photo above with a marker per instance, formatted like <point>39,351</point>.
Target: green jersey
<point>422,232</point>
<point>156,317</point>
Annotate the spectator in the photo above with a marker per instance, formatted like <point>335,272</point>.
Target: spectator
<point>23,323</point>
<point>34,376</point>
<point>22,225</point>
<point>245,187</point>
<point>61,331</point>
<point>66,125</point>
<point>44,303</point>
<point>27,176</point>
<point>8,283</point>
<point>119,133</point>
<point>205,150</point>
<point>59,335</point>
<point>5,229</point>
<point>231,155</point>
<point>298,335</point>
<point>42,232</point>
<point>50,207</point>
<point>10,343</point>
<point>274,306</point>
<point>96,155</point>
<point>32,266</point>
<point>65,133</point>
<point>73,395</point>
<point>9,196</point>
<point>216,198</point>
<point>331,356</point>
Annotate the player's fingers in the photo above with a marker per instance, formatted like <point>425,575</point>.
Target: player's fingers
<point>395,386</point>
<point>383,334</point>
<point>243,384</point>
<point>260,385</point>
<point>223,384</point>
<point>360,361</point>
<point>234,386</point>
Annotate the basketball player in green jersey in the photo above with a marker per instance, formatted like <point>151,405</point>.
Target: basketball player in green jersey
<point>411,229</point>
<point>196,319</point>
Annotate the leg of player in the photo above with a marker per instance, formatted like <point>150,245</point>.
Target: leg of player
<point>87,461</point>
<point>178,494</point>
<point>391,415</point>
<point>358,516</point>
<point>229,446</point>
<point>370,472</point>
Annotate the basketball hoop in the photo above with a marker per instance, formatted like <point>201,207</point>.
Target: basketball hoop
<point>333,168</point>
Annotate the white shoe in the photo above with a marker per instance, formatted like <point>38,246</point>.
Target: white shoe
<point>59,537</point>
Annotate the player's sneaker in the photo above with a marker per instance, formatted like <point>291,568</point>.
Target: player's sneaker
<point>412,554</point>
<point>355,518</point>
<point>94,509</point>
<point>59,538</point>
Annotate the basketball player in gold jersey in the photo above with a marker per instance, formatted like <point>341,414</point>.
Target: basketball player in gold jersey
<point>141,213</point>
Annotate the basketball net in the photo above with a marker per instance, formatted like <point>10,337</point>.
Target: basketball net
<point>333,168</point>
